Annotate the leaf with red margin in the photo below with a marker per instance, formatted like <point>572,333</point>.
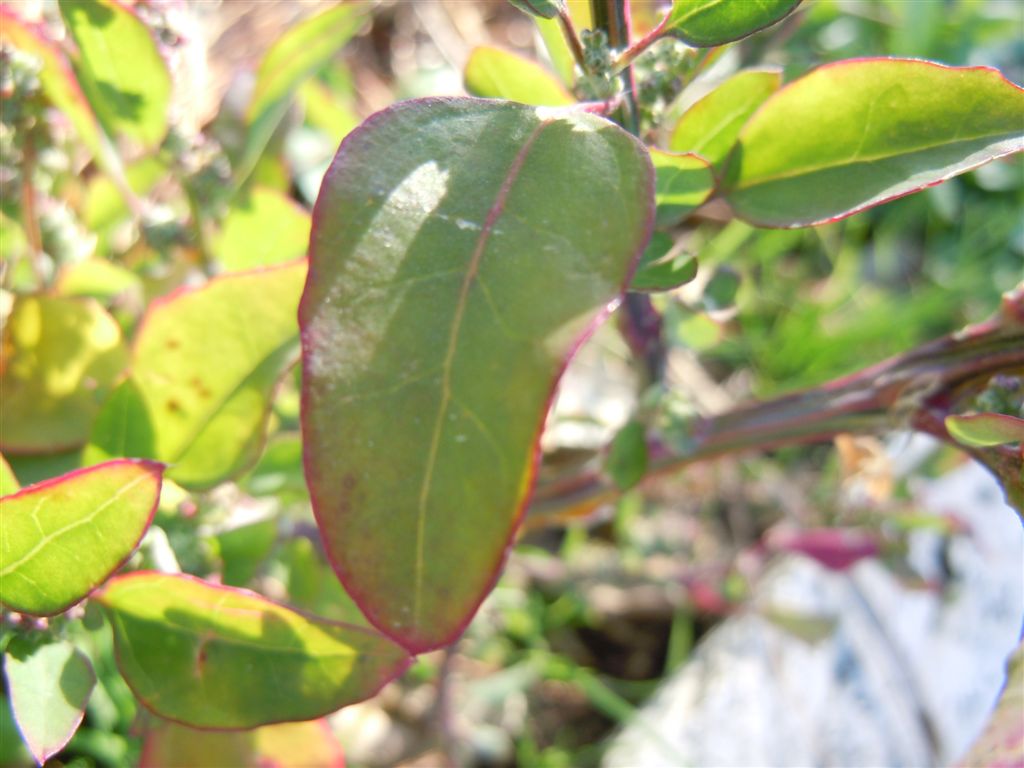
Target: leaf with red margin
<point>205,364</point>
<point>63,537</point>
<point>49,685</point>
<point>449,284</point>
<point>854,134</point>
<point>209,656</point>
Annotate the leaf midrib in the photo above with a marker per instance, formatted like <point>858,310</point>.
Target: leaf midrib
<point>808,170</point>
<point>51,536</point>
<point>495,212</point>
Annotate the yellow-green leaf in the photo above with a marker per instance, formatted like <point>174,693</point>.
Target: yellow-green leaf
<point>262,227</point>
<point>219,657</point>
<point>120,68</point>
<point>61,357</point>
<point>855,134</point>
<point>308,744</point>
<point>204,366</point>
<point>63,537</point>
<point>981,430</point>
<point>709,128</point>
<point>498,74</point>
<point>682,183</point>
<point>297,55</point>
<point>8,482</point>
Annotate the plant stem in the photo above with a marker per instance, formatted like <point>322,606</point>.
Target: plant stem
<point>916,390</point>
<point>613,17</point>
<point>641,323</point>
<point>572,39</point>
<point>630,54</point>
<point>444,715</point>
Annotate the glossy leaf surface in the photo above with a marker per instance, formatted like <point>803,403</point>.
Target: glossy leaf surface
<point>980,430</point>
<point>205,364</point>
<point>497,74</point>
<point>854,134</point>
<point>61,359</point>
<point>49,686</point>
<point>707,23</point>
<point>284,745</point>
<point>682,183</point>
<point>449,282</point>
<point>63,537</point>
<point>296,56</point>
<point>709,128</point>
<point>262,228</point>
<point>120,68</point>
<point>218,657</point>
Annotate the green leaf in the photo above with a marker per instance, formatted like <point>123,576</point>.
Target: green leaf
<point>720,292</point>
<point>99,279</point>
<point>262,227</point>
<point>497,74</point>
<point>8,482</point>
<point>854,134</point>
<point>545,9</point>
<point>297,55</point>
<point>626,462</point>
<point>205,365</point>
<point>707,23</point>
<point>662,268</point>
<point>681,184</point>
<point>327,111</point>
<point>61,359</point>
<point>709,128</point>
<point>559,53</point>
<point>219,657</point>
<point>981,430</point>
<point>49,686</point>
<point>120,68</point>
<point>64,537</point>
<point>448,284</point>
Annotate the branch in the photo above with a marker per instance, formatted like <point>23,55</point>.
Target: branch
<point>917,390</point>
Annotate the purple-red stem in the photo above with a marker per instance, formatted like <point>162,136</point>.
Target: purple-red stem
<point>917,389</point>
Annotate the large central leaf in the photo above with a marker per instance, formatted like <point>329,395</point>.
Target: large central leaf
<point>460,250</point>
